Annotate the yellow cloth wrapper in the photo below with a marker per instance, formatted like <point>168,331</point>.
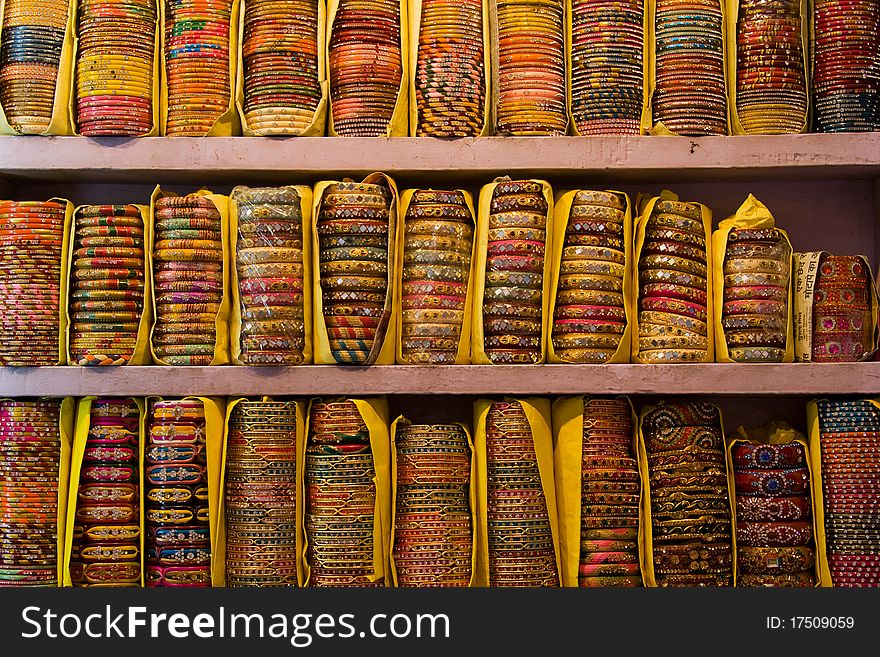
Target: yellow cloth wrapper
<point>805,270</point>
<point>316,127</point>
<point>731,14</point>
<point>646,206</point>
<point>646,528</point>
<point>398,126</point>
<point>384,345</point>
<point>539,415</point>
<point>751,214</point>
<point>773,433</point>
<point>218,548</point>
<point>221,322</point>
<point>478,267</point>
<point>305,207</point>
<point>658,128</point>
<point>227,125</point>
<point>561,216</point>
<point>464,341</point>
<point>60,122</point>
<point>80,438</point>
<point>215,413</point>
<point>568,446</point>
<point>141,355</point>
<point>472,500</point>
<point>157,73</point>
<point>415,30</point>
<point>376,416</point>
<point>647,71</point>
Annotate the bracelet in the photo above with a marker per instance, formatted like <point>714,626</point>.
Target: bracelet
<point>583,213</point>
<point>695,580</point>
<point>663,234</point>
<point>774,560</point>
<point>755,322</point>
<point>803,579</point>
<point>842,266</point>
<point>681,208</point>
<point>757,508</point>
<point>756,266</point>
<point>774,534</point>
<point>673,306</point>
<point>756,279</point>
<point>697,254</point>
<point>663,261</point>
<point>772,482</point>
<point>761,455</point>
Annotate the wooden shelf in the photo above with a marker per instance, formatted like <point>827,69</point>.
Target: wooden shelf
<point>716,379</point>
<point>234,160</point>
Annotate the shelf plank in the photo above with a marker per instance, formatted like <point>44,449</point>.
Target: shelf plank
<point>729,379</point>
<point>303,159</point>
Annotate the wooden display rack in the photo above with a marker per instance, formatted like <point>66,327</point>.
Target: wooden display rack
<point>824,189</point>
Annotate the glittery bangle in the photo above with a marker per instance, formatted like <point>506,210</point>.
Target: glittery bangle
<point>774,560</point>
<point>773,534</point>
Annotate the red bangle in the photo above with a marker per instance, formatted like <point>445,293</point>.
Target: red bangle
<point>751,455</point>
<point>773,534</point>
<point>772,483</point>
<point>755,508</point>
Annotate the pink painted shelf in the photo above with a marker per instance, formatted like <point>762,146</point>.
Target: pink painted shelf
<point>716,379</point>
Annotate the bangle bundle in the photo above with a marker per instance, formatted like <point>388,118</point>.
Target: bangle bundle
<point>438,232</point>
<point>521,548</point>
<point>188,279</point>
<point>107,300</point>
<point>261,494</point>
<point>757,268</point>
<point>353,228</point>
<point>108,498</point>
<point>690,506</point>
<point>178,540</point>
<point>340,500</point>
<point>674,242</point>
<point>582,330</point>
<point>608,463</point>
<point>511,296</point>
<point>31,249</point>
<point>433,543</point>
<point>30,456</point>
<point>842,329</point>
<point>272,308</point>
<point>849,437</point>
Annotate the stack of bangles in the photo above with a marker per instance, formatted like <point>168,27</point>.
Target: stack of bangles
<point>31,250</point>
<point>30,458</point>
<point>30,61</point>
<point>607,54</point>
<point>450,80</point>
<point>846,65</point>
<point>197,65</point>
<point>261,494</point>
<point>280,54</point>
<point>178,540</point>
<point>433,527</point>
<point>355,240</point>
<point>269,263</point>
<point>116,46</point>
<point>514,277</point>
<point>340,504</point>
<point>849,438</point>
<point>757,272</point>
<point>590,315</point>
<point>690,97</point>
<point>107,284</point>
<point>520,537</point>
<point>366,66</point>
<point>107,525</point>
<point>673,289</point>
<point>842,328</point>
<point>771,89</point>
<point>690,505</point>
<point>438,242</point>
<point>530,68</point>
<point>188,286</point>
<point>610,493</point>
<point>774,523</point>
